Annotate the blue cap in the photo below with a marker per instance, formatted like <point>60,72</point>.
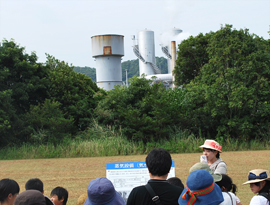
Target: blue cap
<point>101,192</point>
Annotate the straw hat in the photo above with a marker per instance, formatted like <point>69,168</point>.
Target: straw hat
<point>211,144</point>
<point>82,199</point>
<point>257,175</point>
<point>200,165</point>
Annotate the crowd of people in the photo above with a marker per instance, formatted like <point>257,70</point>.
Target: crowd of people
<point>207,184</point>
<point>33,194</point>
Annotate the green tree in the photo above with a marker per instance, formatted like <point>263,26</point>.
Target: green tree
<point>75,92</point>
<point>192,56</point>
<point>91,72</point>
<point>230,97</point>
<point>23,75</point>
<point>142,110</point>
<point>162,63</point>
<point>48,122</point>
<point>22,83</point>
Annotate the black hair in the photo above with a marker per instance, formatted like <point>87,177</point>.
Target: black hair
<point>227,183</point>
<point>176,181</point>
<point>61,193</point>
<point>159,162</point>
<point>8,186</point>
<point>266,187</point>
<point>35,184</point>
<point>212,150</point>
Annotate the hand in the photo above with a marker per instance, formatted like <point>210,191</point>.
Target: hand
<point>204,159</point>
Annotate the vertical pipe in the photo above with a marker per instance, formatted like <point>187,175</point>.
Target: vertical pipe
<point>126,78</point>
<point>173,53</point>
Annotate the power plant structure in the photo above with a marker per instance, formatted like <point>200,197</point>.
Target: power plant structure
<point>144,49</point>
<point>108,51</point>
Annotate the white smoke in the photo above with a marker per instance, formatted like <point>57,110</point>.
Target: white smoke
<point>173,35</point>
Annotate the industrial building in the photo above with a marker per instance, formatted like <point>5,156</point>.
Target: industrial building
<point>108,50</point>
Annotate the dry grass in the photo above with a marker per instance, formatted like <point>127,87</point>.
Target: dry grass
<point>75,173</point>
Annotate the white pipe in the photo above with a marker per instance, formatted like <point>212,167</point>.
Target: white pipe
<point>160,77</point>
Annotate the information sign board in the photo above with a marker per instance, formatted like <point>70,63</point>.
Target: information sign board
<point>127,175</point>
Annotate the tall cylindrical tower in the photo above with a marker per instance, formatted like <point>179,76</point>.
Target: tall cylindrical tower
<point>107,51</point>
<point>146,45</point>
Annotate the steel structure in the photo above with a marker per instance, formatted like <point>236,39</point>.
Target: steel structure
<point>145,51</point>
<point>107,51</point>
<point>166,47</point>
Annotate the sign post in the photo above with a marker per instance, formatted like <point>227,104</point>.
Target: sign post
<point>127,175</point>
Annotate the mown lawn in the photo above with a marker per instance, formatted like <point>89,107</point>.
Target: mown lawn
<point>75,173</point>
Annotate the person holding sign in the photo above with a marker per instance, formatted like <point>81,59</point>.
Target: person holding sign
<point>211,156</point>
<point>157,190</point>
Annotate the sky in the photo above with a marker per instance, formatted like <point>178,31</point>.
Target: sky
<point>63,28</point>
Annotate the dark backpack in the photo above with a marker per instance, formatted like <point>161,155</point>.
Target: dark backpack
<point>266,195</point>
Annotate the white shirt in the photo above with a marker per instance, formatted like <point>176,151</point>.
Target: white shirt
<point>227,199</point>
<point>259,200</point>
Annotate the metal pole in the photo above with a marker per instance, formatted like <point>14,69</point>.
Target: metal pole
<point>173,53</point>
<point>126,78</point>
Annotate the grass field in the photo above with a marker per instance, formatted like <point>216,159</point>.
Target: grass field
<point>75,173</point>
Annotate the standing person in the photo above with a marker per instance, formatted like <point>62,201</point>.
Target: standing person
<point>228,190</point>
<point>37,184</point>
<point>159,163</point>
<point>34,183</point>
<point>176,181</point>
<point>211,156</point>
<point>31,197</point>
<point>59,196</point>
<point>9,189</point>
<point>259,182</point>
<point>201,190</point>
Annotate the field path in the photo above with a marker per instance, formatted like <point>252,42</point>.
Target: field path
<point>75,173</point>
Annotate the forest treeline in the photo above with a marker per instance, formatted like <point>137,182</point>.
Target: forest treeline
<point>132,67</point>
<point>223,93</point>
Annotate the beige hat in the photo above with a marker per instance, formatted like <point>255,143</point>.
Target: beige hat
<point>257,175</point>
<point>211,144</point>
<point>201,165</point>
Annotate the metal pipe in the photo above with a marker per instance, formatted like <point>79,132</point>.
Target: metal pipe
<point>126,78</point>
<point>160,77</point>
<point>173,54</point>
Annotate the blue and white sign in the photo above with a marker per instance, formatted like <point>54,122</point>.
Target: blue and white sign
<point>127,175</point>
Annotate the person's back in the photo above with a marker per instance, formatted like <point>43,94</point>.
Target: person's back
<point>228,190</point>
<point>159,164</point>
<point>34,184</point>
<point>176,181</point>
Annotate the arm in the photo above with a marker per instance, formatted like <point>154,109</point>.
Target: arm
<point>238,202</point>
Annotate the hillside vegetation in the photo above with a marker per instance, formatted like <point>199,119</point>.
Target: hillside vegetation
<point>132,67</point>
<point>223,94</point>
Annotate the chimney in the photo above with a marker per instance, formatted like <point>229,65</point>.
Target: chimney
<point>173,54</point>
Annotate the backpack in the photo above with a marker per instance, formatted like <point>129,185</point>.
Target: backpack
<point>266,195</point>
